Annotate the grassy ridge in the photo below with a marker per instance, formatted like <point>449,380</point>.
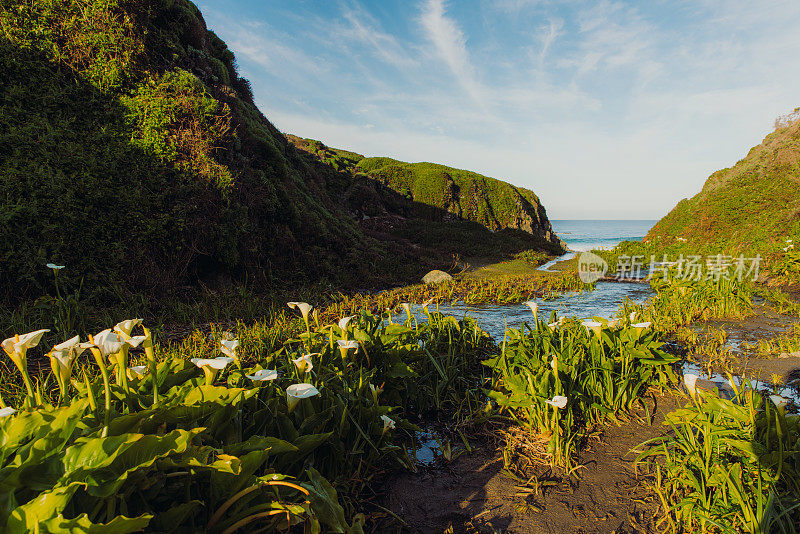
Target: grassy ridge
<point>750,207</point>
<point>436,193</point>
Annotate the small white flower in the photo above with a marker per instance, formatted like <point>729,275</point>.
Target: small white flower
<point>295,392</point>
<point>54,266</point>
<point>304,308</point>
<point>533,306</point>
<point>632,316</point>
<point>689,380</point>
<point>263,375</point>
<point>558,401</point>
<point>228,347</point>
<point>779,401</point>
<point>642,326</point>
<point>552,326</point>
<point>344,321</point>
<point>108,342</point>
<point>304,363</point>
<point>5,412</point>
<point>388,423</point>
<point>217,363</point>
<point>127,326</point>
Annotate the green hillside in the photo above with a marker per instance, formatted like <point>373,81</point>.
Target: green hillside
<point>132,152</point>
<point>440,193</point>
<point>751,207</point>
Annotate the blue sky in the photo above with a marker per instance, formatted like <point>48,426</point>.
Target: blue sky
<point>604,109</point>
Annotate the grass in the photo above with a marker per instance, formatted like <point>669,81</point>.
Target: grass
<point>596,372</point>
<point>727,466</point>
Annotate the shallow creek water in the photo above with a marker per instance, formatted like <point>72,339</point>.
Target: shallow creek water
<point>603,301</point>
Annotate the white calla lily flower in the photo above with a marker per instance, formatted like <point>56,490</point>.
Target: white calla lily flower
<point>304,362</point>
<point>690,380</point>
<point>135,341</point>
<point>63,356</point>
<point>17,347</point>
<point>211,366</point>
<point>127,326</point>
<point>343,322</point>
<point>5,412</point>
<point>779,401</point>
<point>552,326</point>
<point>533,306</point>
<point>345,344</point>
<point>594,326</point>
<point>54,266</point>
<point>642,326</point>
<point>388,423</point>
<point>296,392</point>
<point>263,375</point>
<point>558,401</point>
<point>108,342</point>
<point>303,307</point>
<point>217,363</point>
<point>229,347</point>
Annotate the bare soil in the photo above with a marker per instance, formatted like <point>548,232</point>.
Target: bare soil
<point>475,494</point>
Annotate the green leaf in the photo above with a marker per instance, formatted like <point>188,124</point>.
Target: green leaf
<point>103,464</point>
<point>82,525</point>
<point>325,503</point>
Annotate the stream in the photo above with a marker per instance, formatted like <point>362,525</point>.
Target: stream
<point>603,301</point>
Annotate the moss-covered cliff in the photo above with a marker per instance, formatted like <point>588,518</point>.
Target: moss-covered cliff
<point>440,193</point>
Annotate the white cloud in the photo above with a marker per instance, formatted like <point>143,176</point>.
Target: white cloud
<point>450,44</point>
<point>581,101</point>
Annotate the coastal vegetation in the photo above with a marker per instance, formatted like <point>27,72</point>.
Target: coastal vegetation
<point>134,157</point>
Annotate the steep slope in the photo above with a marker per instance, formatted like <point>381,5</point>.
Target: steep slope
<point>132,152</point>
<point>749,207</point>
<point>437,193</point>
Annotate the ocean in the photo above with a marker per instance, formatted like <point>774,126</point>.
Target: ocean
<point>583,235</point>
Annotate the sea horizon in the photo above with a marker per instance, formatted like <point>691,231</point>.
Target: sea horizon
<point>587,234</point>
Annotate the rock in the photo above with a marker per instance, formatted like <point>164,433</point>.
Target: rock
<point>436,277</point>
<point>784,355</point>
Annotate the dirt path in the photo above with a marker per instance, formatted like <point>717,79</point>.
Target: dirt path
<point>473,494</point>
